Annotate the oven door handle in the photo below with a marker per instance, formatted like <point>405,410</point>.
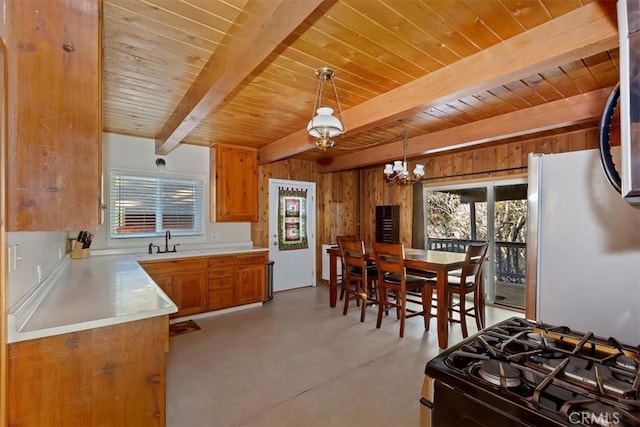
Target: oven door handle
<point>426,402</point>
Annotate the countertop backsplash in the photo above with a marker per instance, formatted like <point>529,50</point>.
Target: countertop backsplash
<point>36,250</point>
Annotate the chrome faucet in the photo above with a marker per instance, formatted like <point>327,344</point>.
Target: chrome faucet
<point>167,236</point>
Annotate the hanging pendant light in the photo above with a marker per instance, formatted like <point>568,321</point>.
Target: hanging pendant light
<point>323,124</point>
<point>399,171</point>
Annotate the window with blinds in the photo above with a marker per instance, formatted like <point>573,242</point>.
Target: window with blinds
<point>148,206</point>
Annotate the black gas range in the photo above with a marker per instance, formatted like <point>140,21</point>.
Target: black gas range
<point>525,373</point>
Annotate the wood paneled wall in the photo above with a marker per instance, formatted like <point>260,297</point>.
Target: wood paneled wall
<point>346,201</point>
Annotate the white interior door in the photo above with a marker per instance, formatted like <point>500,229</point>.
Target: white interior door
<point>294,268</point>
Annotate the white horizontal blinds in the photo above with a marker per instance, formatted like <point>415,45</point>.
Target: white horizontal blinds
<point>178,202</point>
<point>143,206</point>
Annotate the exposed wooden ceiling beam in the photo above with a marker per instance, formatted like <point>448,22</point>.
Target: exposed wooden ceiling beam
<point>578,34</point>
<point>260,28</point>
<point>553,115</point>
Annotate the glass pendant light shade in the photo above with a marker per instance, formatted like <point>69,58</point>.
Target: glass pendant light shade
<point>324,124</point>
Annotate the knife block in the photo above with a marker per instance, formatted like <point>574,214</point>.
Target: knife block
<point>78,252</point>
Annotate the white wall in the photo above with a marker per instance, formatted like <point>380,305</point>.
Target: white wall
<point>120,152</point>
<point>138,154</point>
<point>34,248</point>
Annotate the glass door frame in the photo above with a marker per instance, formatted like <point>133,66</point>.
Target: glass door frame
<point>489,186</point>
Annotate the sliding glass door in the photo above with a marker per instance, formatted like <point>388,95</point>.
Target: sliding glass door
<point>496,212</point>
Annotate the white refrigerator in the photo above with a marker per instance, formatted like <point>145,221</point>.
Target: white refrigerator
<point>586,242</point>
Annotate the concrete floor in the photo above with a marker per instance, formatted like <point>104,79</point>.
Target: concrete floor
<point>297,362</point>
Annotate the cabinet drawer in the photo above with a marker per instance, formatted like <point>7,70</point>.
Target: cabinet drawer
<point>220,261</point>
<point>217,284</point>
<point>220,299</point>
<point>254,258</point>
<point>220,273</point>
<point>175,266</point>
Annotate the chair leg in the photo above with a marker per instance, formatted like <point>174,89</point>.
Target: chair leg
<point>402,310</point>
<point>346,300</point>
<point>479,311</point>
<point>463,316</point>
<point>362,287</point>
<point>382,306</point>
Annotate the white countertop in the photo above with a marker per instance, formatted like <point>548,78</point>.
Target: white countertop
<point>101,290</point>
<point>188,253</point>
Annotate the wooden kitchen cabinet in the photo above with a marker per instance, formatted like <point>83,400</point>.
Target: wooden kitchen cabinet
<point>107,376</point>
<point>221,283</point>
<point>233,184</point>
<point>250,278</point>
<point>201,284</point>
<point>54,164</point>
<point>184,281</point>
<point>236,280</point>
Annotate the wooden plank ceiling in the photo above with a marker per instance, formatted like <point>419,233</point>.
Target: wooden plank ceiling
<point>452,72</point>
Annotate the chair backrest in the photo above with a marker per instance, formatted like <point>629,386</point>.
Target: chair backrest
<point>353,253</point>
<point>473,262</point>
<point>347,238</point>
<point>389,259</point>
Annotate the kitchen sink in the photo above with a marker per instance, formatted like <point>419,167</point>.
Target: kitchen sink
<point>167,255</point>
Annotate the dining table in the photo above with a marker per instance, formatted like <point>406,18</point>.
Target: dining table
<point>439,262</point>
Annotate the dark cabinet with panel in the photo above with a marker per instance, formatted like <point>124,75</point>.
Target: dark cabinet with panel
<point>388,224</point>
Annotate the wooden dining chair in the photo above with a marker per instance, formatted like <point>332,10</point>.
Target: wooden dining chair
<point>359,279</point>
<point>392,276</point>
<point>340,239</point>
<point>468,281</point>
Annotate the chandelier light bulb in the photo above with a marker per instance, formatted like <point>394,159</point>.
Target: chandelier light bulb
<point>399,171</point>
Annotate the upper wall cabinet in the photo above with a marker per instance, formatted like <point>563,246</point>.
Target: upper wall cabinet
<point>234,184</point>
<point>55,114</point>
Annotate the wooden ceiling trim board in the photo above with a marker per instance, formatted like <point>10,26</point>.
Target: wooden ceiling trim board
<point>581,75</point>
<point>466,22</point>
<point>149,86</point>
<point>590,29</point>
<point>380,28</point>
<point>527,94</point>
<point>209,16</point>
<point>393,17</point>
<point>559,80</point>
<point>150,65</point>
<point>497,105</point>
<point>497,16</point>
<point>530,13</point>
<point>557,8</point>
<point>170,53</point>
<point>604,70</point>
<point>545,89</point>
<point>248,44</point>
<point>446,38</point>
<point>319,42</point>
<point>159,17</point>
<point>119,19</point>
<point>564,112</point>
<point>223,8</point>
<point>433,40</point>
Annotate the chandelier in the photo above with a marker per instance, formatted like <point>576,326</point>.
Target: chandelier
<point>324,125</point>
<point>399,171</point>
